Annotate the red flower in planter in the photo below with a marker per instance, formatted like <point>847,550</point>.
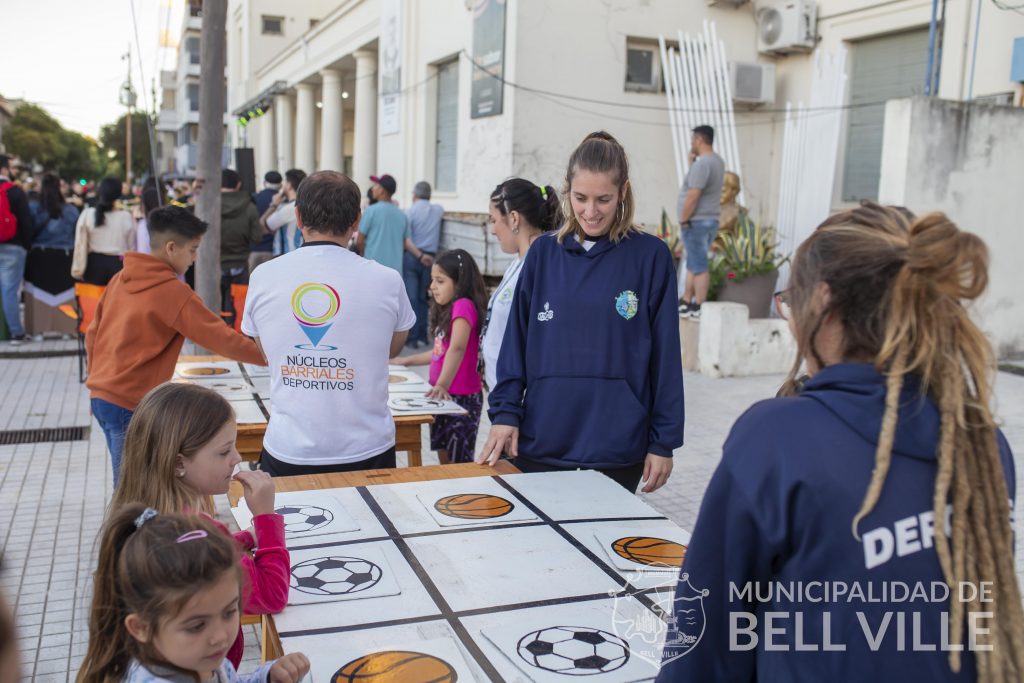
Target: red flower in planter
<point>730,275</point>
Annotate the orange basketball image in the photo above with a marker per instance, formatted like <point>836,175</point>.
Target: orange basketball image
<point>473,506</point>
<point>654,552</point>
<point>396,666</point>
<point>197,372</point>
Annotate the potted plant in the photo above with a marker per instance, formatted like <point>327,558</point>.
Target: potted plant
<point>745,268</point>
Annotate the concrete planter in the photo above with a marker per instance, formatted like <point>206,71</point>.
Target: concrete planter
<point>755,293</point>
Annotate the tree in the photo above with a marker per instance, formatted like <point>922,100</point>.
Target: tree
<point>80,156</point>
<point>36,136</point>
<point>112,139</point>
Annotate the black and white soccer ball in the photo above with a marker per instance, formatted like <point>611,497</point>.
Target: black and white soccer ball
<point>335,575</point>
<point>573,650</point>
<point>299,519</point>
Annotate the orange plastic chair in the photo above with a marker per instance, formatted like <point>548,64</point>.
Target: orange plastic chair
<point>87,299</point>
<point>238,294</point>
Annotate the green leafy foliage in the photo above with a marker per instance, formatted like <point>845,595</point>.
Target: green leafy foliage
<point>751,250</point>
<point>35,136</point>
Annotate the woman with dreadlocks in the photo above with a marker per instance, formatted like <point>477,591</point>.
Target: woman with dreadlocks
<point>859,527</point>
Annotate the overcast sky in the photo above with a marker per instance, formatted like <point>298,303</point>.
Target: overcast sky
<point>66,55</point>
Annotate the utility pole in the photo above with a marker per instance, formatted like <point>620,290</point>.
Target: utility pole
<point>128,100</point>
<point>211,143</point>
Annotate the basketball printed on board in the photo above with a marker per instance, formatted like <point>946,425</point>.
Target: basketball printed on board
<point>650,551</point>
<point>396,666</point>
<point>474,506</point>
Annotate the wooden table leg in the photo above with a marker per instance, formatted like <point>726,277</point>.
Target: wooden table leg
<point>415,456</point>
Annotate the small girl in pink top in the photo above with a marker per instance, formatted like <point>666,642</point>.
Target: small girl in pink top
<point>459,300</point>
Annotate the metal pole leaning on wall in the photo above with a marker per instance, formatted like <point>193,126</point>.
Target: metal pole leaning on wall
<point>684,115</point>
<point>729,113</point>
<point>666,70</point>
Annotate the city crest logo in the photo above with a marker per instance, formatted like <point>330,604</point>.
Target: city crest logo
<point>626,304</point>
<point>315,305</point>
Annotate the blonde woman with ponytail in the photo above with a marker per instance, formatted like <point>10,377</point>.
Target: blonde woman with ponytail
<point>589,374</point>
<point>867,513</point>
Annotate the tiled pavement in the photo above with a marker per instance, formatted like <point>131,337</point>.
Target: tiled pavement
<point>53,495</point>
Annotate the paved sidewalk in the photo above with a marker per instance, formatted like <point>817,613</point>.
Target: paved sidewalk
<point>53,495</point>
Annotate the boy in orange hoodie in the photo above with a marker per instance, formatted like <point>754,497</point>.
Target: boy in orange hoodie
<point>142,320</point>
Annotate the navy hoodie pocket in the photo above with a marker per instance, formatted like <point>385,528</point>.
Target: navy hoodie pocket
<point>583,421</point>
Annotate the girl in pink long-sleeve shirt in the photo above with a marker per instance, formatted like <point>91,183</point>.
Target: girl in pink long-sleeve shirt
<point>180,450</point>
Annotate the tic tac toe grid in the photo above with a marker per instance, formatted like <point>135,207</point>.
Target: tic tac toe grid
<point>462,579</point>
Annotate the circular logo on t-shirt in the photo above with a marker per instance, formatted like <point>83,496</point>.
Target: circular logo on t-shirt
<point>315,305</point>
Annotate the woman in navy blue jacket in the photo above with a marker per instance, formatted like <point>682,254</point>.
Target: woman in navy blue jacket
<point>589,373</point>
<point>860,528</point>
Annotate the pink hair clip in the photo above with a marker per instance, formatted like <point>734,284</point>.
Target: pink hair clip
<point>192,536</point>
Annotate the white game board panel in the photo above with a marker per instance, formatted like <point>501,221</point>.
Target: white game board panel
<point>350,572</point>
<point>418,404</point>
<point>606,641</point>
<point>490,567</point>
<point>307,515</point>
<point>406,381</point>
<point>413,601</point>
<point>231,389</point>
<point>647,567</point>
<point>208,370</point>
<point>428,651</point>
<point>580,494</point>
<point>255,371</point>
<point>402,502</point>
<point>248,412</point>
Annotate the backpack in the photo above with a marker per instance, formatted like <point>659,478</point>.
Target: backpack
<point>8,223</point>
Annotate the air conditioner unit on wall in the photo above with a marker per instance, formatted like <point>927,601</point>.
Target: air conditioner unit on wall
<point>752,83</point>
<point>785,26</point>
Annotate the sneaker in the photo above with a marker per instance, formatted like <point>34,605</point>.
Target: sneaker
<point>694,312</point>
<point>19,340</point>
<point>684,310</point>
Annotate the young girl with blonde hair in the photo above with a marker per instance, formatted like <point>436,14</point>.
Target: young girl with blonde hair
<point>178,452</point>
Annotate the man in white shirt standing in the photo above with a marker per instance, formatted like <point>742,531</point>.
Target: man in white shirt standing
<point>279,218</point>
<point>327,321</point>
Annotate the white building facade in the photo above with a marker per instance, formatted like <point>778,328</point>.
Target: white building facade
<point>178,121</point>
<point>386,86</point>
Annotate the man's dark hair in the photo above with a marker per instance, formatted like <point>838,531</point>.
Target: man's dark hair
<point>5,161</point>
<point>294,177</point>
<point>174,222</point>
<point>272,177</point>
<point>229,179</point>
<point>328,202</point>
<point>705,133</point>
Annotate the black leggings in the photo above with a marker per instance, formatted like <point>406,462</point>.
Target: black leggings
<point>628,477</point>
<point>277,468</point>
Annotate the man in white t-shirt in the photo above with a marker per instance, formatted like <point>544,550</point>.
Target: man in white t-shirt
<point>327,320</point>
<point>279,218</point>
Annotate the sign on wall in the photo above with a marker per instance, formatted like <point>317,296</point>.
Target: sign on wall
<point>390,62</point>
<point>486,97</point>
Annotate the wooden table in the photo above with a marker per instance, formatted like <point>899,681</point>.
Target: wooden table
<point>270,643</point>
<point>408,435</point>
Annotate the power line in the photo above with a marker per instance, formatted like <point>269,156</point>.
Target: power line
<point>587,100</point>
<point>149,116</point>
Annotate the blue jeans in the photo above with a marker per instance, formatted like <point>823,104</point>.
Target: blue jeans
<point>114,423</point>
<point>697,239</point>
<point>12,272</point>
<point>417,280</point>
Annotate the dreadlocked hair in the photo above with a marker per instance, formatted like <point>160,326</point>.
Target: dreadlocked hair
<point>897,284</point>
